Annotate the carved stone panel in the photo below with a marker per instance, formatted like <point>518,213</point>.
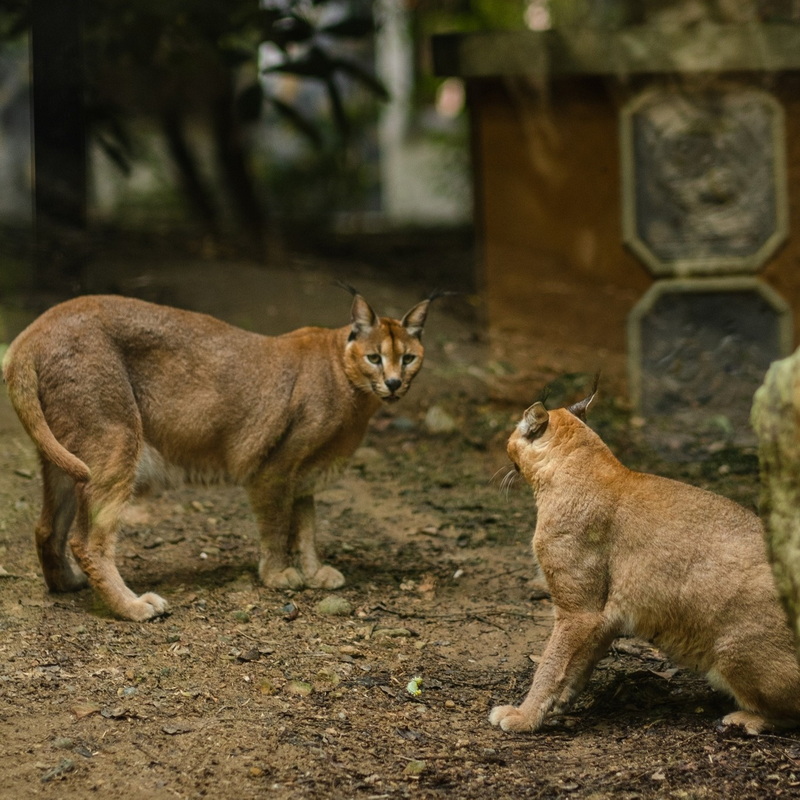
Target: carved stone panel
<point>704,180</point>
<point>699,348</point>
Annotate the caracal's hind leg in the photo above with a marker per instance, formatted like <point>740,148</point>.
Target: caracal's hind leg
<point>768,696</point>
<point>271,501</point>
<point>100,502</point>
<point>304,541</point>
<point>61,573</point>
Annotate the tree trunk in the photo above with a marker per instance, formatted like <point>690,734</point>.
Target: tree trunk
<point>234,169</point>
<point>194,189</point>
<point>59,138</point>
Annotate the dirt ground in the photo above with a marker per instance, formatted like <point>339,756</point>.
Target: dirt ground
<point>244,692</point>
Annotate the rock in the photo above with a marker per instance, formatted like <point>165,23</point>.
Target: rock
<point>334,606</point>
<point>267,686</point>
<point>437,420</point>
<point>300,688</point>
<point>403,424</point>
<point>392,633</point>
<point>366,456</point>
<point>326,679</point>
<point>775,414</point>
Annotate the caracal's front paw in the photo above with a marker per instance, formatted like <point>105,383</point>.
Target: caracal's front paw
<point>326,578</point>
<point>510,719</point>
<point>289,578</point>
<point>147,606</point>
<point>752,723</point>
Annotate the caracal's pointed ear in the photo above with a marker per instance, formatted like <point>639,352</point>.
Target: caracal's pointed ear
<point>414,320</point>
<point>579,408</point>
<point>362,317</point>
<point>534,421</point>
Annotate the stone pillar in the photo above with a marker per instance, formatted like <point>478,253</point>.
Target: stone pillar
<point>776,421</point>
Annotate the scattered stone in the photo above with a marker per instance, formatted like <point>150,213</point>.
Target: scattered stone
<point>403,424</point>
<point>135,515</point>
<point>249,655</point>
<point>300,688</point>
<point>437,420</point>
<point>326,679</point>
<point>267,686</point>
<point>63,743</point>
<point>157,542</point>
<point>241,616</point>
<point>176,728</point>
<point>365,456</point>
<point>115,713</point>
<point>415,768</point>
<point>392,633</point>
<point>334,606</point>
<point>290,612</point>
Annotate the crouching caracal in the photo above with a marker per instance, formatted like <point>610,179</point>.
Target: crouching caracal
<point>117,394</point>
<point>627,553</point>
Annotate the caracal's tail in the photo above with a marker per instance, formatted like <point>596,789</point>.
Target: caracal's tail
<point>23,390</point>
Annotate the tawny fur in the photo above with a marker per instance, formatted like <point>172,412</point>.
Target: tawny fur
<point>628,553</point>
<point>117,393</point>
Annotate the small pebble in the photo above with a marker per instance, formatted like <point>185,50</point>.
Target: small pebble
<point>334,606</point>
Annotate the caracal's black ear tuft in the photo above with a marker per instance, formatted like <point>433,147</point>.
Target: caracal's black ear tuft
<point>579,408</point>
<point>437,293</point>
<point>534,421</point>
<point>346,286</point>
<point>544,394</point>
<point>414,320</point>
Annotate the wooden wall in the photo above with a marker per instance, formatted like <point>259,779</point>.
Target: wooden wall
<point>557,279</point>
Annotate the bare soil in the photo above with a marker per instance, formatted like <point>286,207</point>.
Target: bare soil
<point>245,692</point>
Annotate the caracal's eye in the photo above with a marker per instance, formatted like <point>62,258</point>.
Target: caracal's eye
<point>374,358</point>
<point>408,358</point>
